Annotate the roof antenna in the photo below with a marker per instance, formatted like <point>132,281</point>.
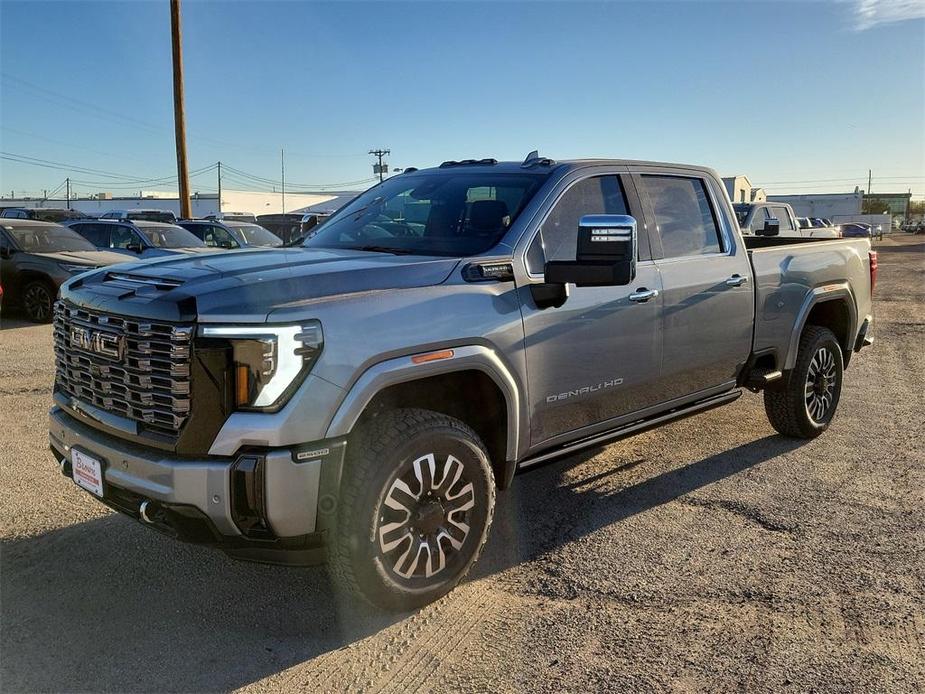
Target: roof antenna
<point>535,154</point>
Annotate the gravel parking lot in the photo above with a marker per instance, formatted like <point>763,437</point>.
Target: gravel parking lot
<point>708,555</point>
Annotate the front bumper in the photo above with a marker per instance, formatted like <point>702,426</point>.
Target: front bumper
<point>262,504</point>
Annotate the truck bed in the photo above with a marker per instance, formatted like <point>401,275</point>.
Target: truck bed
<point>790,274</point>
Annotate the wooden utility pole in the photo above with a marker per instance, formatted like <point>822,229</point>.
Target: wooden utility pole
<point>220,187</point>
<point>179,119</point>
<point>67,183</point>
<point>282,172</point>
<point>379,153</point>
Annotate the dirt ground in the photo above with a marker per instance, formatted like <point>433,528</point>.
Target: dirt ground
<point>708,555</point>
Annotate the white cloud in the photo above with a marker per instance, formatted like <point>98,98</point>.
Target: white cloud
<point>871,13</point>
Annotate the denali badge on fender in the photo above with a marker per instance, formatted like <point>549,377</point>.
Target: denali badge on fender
<point>107,344</point>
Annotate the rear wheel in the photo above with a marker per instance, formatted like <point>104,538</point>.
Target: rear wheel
<point>805,406</point>
<point>38,298</point>
<point>415,509</point>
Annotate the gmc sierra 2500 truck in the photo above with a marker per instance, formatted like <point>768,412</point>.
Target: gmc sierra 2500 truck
<point>363,396</point>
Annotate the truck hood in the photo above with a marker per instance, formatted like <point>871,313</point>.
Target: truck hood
<point>247,285</point>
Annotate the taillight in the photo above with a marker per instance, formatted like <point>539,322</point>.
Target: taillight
<point>873,269</point>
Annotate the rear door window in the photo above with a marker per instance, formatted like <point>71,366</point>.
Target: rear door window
<point>97,234</point>
<point>683,215</point>
<point>783,217</point>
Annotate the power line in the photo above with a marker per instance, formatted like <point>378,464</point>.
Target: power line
<point>48,163</point>
<point>97,111</point>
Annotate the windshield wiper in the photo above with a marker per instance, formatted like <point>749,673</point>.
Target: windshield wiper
<point>383,249</point>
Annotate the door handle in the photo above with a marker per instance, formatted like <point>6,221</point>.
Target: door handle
<point>737,280</point>
<point>642,295</point>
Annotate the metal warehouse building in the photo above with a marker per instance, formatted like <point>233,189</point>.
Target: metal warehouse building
<point>826,205</point>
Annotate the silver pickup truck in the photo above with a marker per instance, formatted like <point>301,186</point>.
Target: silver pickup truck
<point>363,396</point>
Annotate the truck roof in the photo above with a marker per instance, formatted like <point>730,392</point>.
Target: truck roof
<point>491,165</point>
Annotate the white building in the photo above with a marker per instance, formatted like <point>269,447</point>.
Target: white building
<point>202,203</point>
<point>740,189</point>
<point>827,205</point>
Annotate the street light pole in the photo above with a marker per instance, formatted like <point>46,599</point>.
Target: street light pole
<point>179,118</point>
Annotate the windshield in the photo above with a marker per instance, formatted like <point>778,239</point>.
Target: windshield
<point>254,235</point>
<point>153,216</point>
<point>48,239</point>
<point>170,237</point>
<point>452,214</point>
<point>742,213</point>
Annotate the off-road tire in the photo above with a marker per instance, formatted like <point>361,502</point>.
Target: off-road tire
<point>38,301</point>
<point>787,407</point>
<point>379,459</point>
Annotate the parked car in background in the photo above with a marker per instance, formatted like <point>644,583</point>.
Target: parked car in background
<point>138,238</point>
<point>37,257</point>
<point>43,214</point>
<point>287,226</point>
<point>142,214</point>
<point>233,217</point>
<point>856,229</point>
<point>757,218</point>
<point>230,235</point>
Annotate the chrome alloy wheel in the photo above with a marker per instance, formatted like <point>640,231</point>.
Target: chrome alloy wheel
<point>423,521</point>
<point>819,390</point>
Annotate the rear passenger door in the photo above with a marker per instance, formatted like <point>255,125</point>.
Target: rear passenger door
<point>707,311</point>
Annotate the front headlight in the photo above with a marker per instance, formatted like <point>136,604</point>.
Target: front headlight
<point>269,361</point>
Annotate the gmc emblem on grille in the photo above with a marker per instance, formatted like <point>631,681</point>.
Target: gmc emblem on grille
<point>107,344</point>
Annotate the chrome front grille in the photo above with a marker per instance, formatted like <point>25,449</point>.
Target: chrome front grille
<point>132,368</point>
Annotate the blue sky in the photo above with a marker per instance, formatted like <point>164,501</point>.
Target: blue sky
<point>800,96</point>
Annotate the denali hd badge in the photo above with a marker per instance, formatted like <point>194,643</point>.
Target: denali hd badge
<point>107,344</point>
<point>585,390</point>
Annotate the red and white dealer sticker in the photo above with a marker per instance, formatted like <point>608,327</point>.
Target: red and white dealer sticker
<point>88,472</point>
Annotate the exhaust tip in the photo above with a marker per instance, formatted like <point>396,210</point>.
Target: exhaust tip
<point>143,511</point>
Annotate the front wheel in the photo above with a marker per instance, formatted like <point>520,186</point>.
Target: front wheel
<point>38,299</point>
<point>805,406</point>
<point>415,509</point>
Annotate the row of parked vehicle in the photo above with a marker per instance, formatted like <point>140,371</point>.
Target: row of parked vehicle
<point>42,248</point>
<point>776,218</point>
<point>913,227</point>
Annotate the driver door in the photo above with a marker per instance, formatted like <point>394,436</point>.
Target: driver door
<point>594,358</point>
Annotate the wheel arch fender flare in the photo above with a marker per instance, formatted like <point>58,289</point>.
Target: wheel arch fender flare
<point>839,291</point>
<point>402,370</point>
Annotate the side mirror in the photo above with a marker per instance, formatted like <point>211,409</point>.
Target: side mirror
<point>7,252</point>
<point>135,248</point>
<point>606,254</point>
<point>771,228</point>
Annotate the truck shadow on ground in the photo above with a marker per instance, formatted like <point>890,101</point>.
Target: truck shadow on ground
<point>106,605</point>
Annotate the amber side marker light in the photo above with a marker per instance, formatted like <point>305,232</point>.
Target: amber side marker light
<point>432,356</point>
<point>242,386</point>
